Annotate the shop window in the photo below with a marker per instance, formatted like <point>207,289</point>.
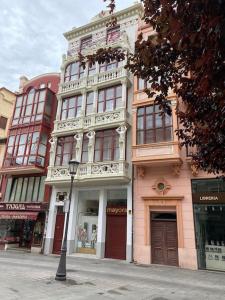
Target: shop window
<point>84,156</point>
<point>89,103</point>
<point>113,34</point>
<point>73,71</point>
<point>71,107</point>
<point>110,98</point>
<point>25,189</point>
<point>153,126</point>
<point>26,149</point>
<point>65,150</point>
<point>106,146</point>
<point>87,223</point>
<point>3,122</point>
<point>85,43</point>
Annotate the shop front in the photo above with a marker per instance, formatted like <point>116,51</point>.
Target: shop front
<point>209,214</point>
<point>22,226</point>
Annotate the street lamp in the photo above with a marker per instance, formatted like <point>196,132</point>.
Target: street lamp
<point>61,272</point>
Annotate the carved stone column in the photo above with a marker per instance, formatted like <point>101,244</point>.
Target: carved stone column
<point>52,152</point>
<point>78,147</point>
<point>122,141</point>
<point>124,92</point>
<point>91,144</point>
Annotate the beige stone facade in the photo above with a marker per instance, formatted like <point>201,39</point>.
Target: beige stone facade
<point>7,99</point>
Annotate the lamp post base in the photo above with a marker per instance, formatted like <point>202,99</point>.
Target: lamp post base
<point>61,272</point>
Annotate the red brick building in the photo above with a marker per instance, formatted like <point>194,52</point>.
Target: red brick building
<point>24,194</point>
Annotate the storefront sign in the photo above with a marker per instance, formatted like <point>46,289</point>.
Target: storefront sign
<point>18,215</point>
<point>208,198</point>
<point>116,210</point>
<point>23,206</point>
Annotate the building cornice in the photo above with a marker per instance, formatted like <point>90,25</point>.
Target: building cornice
<point>133,10</point>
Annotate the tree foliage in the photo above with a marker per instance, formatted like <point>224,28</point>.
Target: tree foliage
<point>187,55</point>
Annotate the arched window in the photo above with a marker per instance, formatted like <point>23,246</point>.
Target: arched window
<point>73,72</point>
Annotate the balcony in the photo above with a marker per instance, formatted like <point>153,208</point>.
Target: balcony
<point>165,153</point>
<point>119,41</point>
<point>94,121</point>
<point>100,173</point>
<point>97,79</point>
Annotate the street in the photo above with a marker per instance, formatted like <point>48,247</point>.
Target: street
<point>30,276</point>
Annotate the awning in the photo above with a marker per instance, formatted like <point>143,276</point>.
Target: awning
<point>17,215</point>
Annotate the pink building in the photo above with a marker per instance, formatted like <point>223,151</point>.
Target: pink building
<point>178,212</point>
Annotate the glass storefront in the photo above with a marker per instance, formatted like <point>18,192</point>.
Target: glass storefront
<point>87,222</point>
<point>209,216</point>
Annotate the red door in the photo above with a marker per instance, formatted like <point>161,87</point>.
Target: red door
<point>59,226</point>
<point>164,245</point>
<point>116,231</point>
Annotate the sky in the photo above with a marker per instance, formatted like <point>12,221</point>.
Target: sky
<point>31,34</point>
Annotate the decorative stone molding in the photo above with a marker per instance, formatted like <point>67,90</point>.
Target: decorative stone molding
<point>78,148</point>
<point>176,169</point>
<point>91,136</point>
<point>141,171</point>
<point>194,169</point>
<point>92,121</point>
<point>90,171</point>
<point>122,140</point>
<point>161,186</point>
<point>53,142</point>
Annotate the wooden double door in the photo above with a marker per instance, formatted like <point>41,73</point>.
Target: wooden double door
<point>164,242</point>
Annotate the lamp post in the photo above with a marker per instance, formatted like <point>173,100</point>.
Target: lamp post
<point>61,271</point>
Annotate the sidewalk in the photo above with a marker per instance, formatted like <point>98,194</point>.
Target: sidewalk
<point>29,276</point>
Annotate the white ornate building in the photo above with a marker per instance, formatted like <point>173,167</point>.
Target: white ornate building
<point>93,125</point>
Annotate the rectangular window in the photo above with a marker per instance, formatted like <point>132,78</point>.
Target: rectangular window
<point>91,69</point>
<point>65,150</point>
<point>3,122</point>
<point>152,126</point>
<point>73,71</point>
<point>84,157</point>
<point>30,107</point>
<point>89,103</point>
<point>113,34</point>
<point>143,84</point>
<point>110,98</point>
<point>71,107</point>
<point>26,149</point>
<point>85,42</point>
<point>25,189</point>
<point>106,145</point>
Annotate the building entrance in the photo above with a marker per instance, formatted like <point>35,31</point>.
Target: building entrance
<point>164,242</point>
<point>59,228</point>
<point>116,231</point>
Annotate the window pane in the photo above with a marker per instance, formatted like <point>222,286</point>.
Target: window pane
<point>11,140</point>
<point>168,134</point>
<point>141,84</point>
<point>30,189</point>
<point>41,190</point>
<point>97,155</point>
<point>17,112</point>
<point>140,111</point>
<point>118,102</point>
<point>40,108</point>
<point>24,190</point>
<point>71,102</point>
<point>42,96</point>
<point>100,107</point>
<point>110,93</point>
<point>150,137</point>
<point>149,122</point>
<point>140,123</point>
<point>30,97</point>
<point>140,137</point>
<point>36,188</point>
<point>168,120</point>
<point>19,101</point>
<point>158,121</point>
<point>159,135</point>
<point>35,141</point>
<point>19,189</point>
<point>149,109</point>
<point>109,105</point>
<point>13,193</point>
<point>71,113</point>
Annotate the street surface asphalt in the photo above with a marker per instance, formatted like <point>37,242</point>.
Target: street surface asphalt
<point>29,276</point>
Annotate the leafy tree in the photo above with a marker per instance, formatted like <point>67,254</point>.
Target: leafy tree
<point>187,55</point>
